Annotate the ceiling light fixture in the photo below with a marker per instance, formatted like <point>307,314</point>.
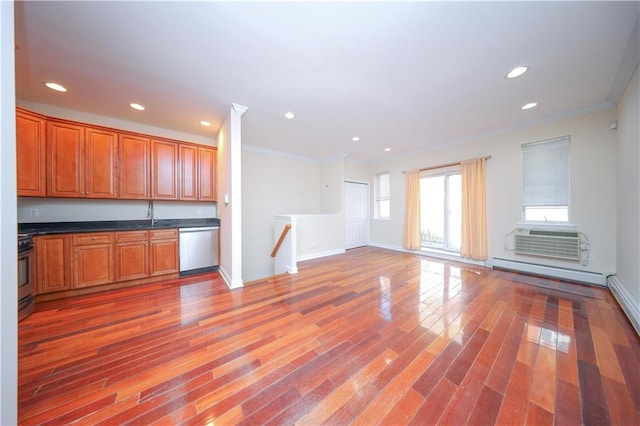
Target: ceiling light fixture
<point>529,105</point>
<point>205,123</point>
<point>55,86</point>
<point>387,149</point>
<point>137,106</point>
<point>289,115</point>
<point>517,72</point>
<point>355,138</point>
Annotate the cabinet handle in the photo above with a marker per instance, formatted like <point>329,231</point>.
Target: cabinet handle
<point>75,251</point>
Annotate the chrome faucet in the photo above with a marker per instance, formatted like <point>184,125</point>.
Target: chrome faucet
<point>150,213</point>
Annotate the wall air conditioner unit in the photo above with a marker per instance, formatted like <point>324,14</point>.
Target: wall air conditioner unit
<point>556,244</point>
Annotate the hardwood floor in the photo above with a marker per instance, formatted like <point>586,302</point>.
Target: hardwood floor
<point>368,337</point>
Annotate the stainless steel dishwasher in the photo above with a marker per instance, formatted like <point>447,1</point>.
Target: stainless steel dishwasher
<point>199,250</point>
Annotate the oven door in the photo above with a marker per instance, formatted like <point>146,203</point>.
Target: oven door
<point>26,278</point>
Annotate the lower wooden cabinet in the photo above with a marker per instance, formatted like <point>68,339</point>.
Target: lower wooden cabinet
<point>132,255</point>
<point>92,259</point>
<point>65,262</point>
<point>164,255</point>
<point>53,261</point>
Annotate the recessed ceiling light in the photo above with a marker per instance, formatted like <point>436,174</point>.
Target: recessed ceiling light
<point>136,106</point>
<point>205,123</point>
<point>529,105</point>
<point>517,72</point>
<point>387,149</point>
<point>289,115</point>
<point>55,86</point>
<point>355,138</point>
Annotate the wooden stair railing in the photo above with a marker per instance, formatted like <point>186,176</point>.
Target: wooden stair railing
<point>280,240</point>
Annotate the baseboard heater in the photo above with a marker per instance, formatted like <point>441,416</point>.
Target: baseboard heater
<point>549,271</point>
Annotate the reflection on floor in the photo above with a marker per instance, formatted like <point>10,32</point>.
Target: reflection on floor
<point>370,337</point>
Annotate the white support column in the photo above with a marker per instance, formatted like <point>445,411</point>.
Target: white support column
<point>230,196</point>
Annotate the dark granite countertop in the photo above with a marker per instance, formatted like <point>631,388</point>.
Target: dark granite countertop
<point>43,228</point>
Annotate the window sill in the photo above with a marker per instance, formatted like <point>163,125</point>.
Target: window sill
<point>547,225</point>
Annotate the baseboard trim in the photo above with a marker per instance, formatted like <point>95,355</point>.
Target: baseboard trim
<point>629,303</point>
<point>550,271</point>
<point>318,255</point>
<point>427,253</point>
<point>228,281</point>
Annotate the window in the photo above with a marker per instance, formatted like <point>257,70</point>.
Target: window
<point>382,196</point>
<point>441,211</point>
<point>545,181</point>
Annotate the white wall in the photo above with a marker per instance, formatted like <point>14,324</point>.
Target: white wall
<point>593,183</point>
<point>272,185</point>
<point>332,185</point>
<point>628,211</point>
<point>357,171</point>
<point>8,247</point>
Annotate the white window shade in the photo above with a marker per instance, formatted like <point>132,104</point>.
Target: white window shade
<point>545,173</point>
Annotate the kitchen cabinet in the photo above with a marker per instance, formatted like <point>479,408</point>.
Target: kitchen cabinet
<point>164,170</point>
<point>164,257</point>
<point>207,174</point>
<point>134,167</point>
<point>30,154</point>
<point>197,173</point>
<point>188,155</point>
<point>53,263</point>
<point>64,158</point>
<point>132,255</point>
<point>100,160</point>
<point>82,161</point>
<point>92,259</point>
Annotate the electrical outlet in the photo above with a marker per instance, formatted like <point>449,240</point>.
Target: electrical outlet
<point>33,212</point>
<point>199,211</point>
<point>312,245</point>
<point>591,257</point>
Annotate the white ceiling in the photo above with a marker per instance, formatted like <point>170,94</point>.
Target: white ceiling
<point>409,76</point>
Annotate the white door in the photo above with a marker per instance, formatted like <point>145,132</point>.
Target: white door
<point>356,216</point>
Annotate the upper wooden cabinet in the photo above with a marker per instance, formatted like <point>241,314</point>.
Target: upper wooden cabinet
<point>82,161</point>
<point>164,170</point>
<point>188,155</point>
<point>134,167</point>
<point>197,173</point>
<point>101,159</point>
<point>61,158</point>
<point>207,174</point>
<point>64,159</point>
<point>30,154</point>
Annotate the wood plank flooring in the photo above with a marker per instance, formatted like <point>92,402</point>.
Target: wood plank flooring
<point>368,337</point>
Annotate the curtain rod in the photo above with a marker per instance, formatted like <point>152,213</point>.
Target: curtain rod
<point>442,166</point>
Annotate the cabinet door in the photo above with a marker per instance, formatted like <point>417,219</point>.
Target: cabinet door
<point>132,260</point>
<point>207,174</point>
<point>164,170</point>
<point>101,150</point>
<point>53,272</point>
<point>92,265</point>
<point>30,154</point>
<point>64,157</point>
<point>134,167</point>
<point>188,172</point>
<point>164,258</point>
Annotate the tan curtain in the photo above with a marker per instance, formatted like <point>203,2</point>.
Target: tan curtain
<point>411,240</point>
<point>474,217</point>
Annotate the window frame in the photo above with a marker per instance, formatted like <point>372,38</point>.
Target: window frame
<point>564,169</point>
<point>446,173</point>
<point>378,198</point>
